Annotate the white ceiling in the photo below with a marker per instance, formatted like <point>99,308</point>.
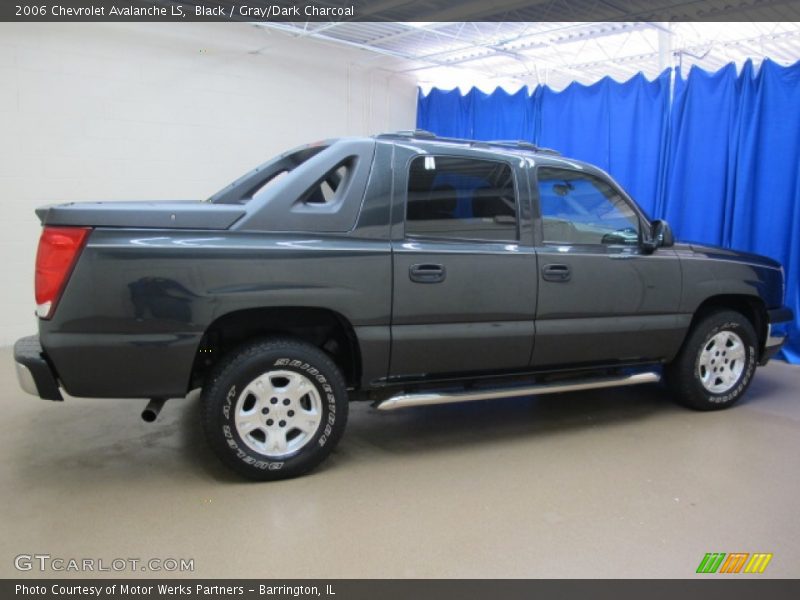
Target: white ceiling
<point>511,55</point>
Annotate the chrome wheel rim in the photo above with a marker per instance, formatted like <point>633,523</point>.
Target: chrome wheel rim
<point>721,362</point>
<point>278,413</point>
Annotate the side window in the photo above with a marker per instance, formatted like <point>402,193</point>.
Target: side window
<point>461,198</point>
<point>578,208</point>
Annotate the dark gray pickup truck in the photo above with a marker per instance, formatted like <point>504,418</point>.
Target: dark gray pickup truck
<point>404,269</point>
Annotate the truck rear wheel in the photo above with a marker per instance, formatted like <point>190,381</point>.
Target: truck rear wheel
<point>274,409</point>
<point>716,364</point>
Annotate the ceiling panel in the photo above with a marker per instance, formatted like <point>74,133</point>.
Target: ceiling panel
<point>513,54</point>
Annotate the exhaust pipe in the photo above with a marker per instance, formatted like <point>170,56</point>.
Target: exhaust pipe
<point>150,412</point>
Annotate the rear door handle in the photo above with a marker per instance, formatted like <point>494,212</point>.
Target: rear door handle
<point>427,273</point>
<point>558,273</point>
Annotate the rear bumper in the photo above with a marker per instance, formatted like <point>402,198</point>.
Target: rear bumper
<point>34,374</point>
<point>777,319</point>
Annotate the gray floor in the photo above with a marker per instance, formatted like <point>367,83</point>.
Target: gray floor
<point>613,483</point>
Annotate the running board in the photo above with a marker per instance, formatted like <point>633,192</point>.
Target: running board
<point>427,398</point>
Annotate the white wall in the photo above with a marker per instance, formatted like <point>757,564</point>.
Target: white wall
<point>161,111</point>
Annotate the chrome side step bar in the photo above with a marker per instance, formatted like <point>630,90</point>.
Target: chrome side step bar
<point>427,398</point>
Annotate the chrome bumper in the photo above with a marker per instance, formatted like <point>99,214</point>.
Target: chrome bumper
<point>777,332</point>
<point>774,339</point>
<point>25,379</point>
<point>34,373</point>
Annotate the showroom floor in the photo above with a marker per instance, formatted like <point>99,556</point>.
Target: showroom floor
<point>612,483</point>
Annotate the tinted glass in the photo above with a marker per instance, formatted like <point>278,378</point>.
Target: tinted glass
<point>578,208</point>
<point>461,198</point>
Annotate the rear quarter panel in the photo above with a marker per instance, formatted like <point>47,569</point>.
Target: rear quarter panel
<point>134,311</point>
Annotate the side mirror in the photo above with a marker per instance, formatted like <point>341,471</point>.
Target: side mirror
<point>660,236</point>
<point>662,233</point>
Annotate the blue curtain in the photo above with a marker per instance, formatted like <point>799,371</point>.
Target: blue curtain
<point>448,111</point>
<point>501,116</point>
<point>720,160</point>
<point>702,152</point>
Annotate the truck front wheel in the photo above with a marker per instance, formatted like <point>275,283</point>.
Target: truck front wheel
<point>717,362</point>
<point>274,409</point>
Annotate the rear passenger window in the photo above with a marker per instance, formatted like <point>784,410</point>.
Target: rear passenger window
<point>461,198</point>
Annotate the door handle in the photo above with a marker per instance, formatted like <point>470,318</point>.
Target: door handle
<point>558,273</point>
<point>427,273</point>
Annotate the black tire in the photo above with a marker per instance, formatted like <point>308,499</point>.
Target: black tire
<point>257,366</point>
<point>685,374</point>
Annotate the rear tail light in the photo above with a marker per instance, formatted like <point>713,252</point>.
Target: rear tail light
<point>59,248</point>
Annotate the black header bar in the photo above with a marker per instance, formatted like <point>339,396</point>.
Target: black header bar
<point>321,11</point>
<point>709,588</point>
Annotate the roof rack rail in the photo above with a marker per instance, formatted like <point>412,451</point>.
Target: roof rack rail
<point>422,134</point>
<point>525,145</point>
<point>410,133</point>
